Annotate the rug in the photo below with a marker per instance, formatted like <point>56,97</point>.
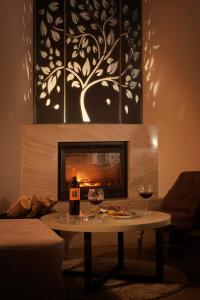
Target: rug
<point>174,280</point>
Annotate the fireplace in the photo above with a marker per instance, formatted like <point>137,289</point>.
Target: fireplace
<point>96,164</point>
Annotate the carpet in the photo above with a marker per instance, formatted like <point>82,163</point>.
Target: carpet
<point>174,280</point>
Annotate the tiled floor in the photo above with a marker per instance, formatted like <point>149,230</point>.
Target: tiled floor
<point>185,257</point>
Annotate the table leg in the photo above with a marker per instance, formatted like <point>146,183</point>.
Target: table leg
<point>159,254</point>
<point>120,249</point>
<point>87,258</point>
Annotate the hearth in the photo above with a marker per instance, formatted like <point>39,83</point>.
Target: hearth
<point>96,164</point>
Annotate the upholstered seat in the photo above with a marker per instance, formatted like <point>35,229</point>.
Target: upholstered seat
<point>31,256</point>
<point>183,201</point>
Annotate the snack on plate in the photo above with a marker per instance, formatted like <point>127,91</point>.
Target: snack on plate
<point>120,213</point>
<point>114,207</point>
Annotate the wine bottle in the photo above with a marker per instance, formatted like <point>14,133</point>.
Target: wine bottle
<point>74,197</point>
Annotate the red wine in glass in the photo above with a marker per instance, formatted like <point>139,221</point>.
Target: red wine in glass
<point>95,197</point>
<point>146,191</point>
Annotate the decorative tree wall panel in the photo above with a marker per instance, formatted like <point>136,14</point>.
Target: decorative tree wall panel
<point>88,61</point>
<point>49,62</point>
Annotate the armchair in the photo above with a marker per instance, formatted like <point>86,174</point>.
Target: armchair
<point>183,203</point>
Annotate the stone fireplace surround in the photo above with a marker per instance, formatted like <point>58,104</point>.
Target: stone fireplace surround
<point>39,169</point>
<point>39,166</point>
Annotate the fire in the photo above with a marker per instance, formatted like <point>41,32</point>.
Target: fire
<point>84,182</point>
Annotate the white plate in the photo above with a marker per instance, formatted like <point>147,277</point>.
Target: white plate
<point>123,217</point>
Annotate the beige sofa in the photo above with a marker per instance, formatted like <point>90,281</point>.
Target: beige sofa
<point>31,257</point>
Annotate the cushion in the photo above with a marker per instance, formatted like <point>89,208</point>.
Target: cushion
<point>20,207</point>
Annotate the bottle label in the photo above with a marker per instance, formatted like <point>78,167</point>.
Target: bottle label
<point>74,194</point>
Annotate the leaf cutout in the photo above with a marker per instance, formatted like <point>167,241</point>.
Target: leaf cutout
<point>133,85</point>
<point>68,40</point>
<point>85,16</point>
<point>86,67</point>
<point>45,70</point>
<point>48,102</point>
<point>77,67</point>
<point>58,89</point>
<point>70,77</point>
<point>108,101</point>
<point>49,18</point>
<point>55,35</point>
<point>74,54</point>
<point>58,73</point>
<point>43,54</point>
<point>112,67</point>
<point>56,106</point>
<point>105,4</point>
<point>126,58</point>
<point>52,66</point>
<point>129,94</point>
<point>82,54</point>
<point>43,28</point>
<point>81,28</point>
<point>59,63</point>
<point>96,4</point>
<point>136,55</point>
<point>44,85</point>
<point>53,6</point>
<point>110,60</point>
<point>135,73</point>
<point>103,15</point>
<point>57,52</point>
<point>113,21</point>
<point>73,3</point>
<point>99,72</point>
<point>70,66</point>
<point>43,95</point>
<point>100,39</point>
<point>104,83</point>
<point>111,37</point>
<point>74,18</point>
<point>94,48</point>
<point>116,87</point>
<point>48,43</point>
<point>81,6</point>
<point>136,98</point>
<point>88,49</point>
<point>94,61</point>
<point>84,43</point>
<point>74,41</point>
<point>71,31</point>
<point>93,26</point>
<point>58,21</point>
<point>76,84</point>
<point>126,109</point>
<point>51,83</point>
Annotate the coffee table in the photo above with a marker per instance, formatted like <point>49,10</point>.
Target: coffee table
<point>139,222</point>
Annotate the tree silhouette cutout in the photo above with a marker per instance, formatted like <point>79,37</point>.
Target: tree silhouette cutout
<point>93,38</point>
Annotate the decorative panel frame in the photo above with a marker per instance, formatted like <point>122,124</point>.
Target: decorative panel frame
<point>87,58</point>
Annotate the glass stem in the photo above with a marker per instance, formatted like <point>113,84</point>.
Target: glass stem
<point>146,206</point>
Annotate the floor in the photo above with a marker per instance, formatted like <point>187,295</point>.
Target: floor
<point>185,256</point>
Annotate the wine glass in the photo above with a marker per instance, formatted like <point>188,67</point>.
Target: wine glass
<point>146,191</point>
<point>96,196</point>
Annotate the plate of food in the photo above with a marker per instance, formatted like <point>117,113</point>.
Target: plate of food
<point>120,212</point>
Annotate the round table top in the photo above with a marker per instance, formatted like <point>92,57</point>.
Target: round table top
<point>139,221</point>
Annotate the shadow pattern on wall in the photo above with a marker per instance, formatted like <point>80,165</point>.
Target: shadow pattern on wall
<point>88,61</point>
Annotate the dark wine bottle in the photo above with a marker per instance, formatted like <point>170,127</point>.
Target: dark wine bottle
<point>74,197</point>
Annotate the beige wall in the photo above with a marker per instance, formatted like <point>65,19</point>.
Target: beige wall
<point>171,31</point>
<point>15,91</point>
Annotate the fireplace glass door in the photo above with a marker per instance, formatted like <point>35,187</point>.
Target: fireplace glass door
<point>96,164</point>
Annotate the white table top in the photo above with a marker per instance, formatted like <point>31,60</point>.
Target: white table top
<point>139,221</point>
